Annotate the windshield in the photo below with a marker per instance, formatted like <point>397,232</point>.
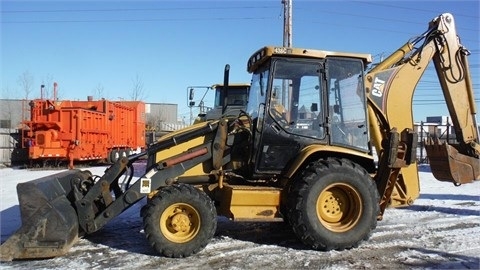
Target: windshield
<point>237,96</point>
<point>297,97</point>
<point>257,92</point>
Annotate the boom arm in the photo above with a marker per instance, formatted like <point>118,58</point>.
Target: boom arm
<point>453,72</point>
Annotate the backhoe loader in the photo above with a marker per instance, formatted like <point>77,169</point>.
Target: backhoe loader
<point>229,100</point>
<point>325,144</point>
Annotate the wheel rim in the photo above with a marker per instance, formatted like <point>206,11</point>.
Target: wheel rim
<point>180,223</point>
<point>339,207</point>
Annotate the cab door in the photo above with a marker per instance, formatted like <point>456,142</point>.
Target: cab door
<point>292,114</point>
<point>347,103</point>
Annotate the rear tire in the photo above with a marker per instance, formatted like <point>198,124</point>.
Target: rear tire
<point>333,204</point>
<point>122,153</point>
<point>180,220</point>
<point>114,155</point>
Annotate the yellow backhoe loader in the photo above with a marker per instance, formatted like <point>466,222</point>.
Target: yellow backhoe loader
<point>324,144</point>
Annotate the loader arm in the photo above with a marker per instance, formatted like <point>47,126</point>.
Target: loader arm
<point>98,206</point>
<point>57,210</point>
<point>390,86</point>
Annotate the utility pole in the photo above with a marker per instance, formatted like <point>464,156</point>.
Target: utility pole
<point>287,23</point>
<point>287,42</point>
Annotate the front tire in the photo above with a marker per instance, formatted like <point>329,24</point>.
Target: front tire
<point>334,204</point>
<point>180,220</point>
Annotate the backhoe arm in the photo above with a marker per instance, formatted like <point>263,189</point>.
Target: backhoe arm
<point>453,73</point>
<point>390,86</point>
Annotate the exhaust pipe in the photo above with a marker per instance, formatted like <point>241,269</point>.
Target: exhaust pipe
<point>49,221</point>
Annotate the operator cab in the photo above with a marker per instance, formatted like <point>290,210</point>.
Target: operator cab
<point>236,100</point>
<point>300,98</point>
<point>225,104</point>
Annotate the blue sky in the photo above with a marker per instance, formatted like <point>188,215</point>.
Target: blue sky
<point>170,45</point>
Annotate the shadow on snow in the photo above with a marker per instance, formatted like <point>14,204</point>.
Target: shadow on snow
<point>441,260</point>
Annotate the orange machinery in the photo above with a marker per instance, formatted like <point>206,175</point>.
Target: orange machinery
<point>83,130</point>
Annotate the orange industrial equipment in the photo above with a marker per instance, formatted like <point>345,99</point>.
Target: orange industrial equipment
<point>83,130</point>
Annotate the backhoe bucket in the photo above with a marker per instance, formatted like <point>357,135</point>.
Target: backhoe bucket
<point>448,164</point>
<point>49,222</point>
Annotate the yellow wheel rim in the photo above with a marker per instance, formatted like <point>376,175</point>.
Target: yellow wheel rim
<point>339,207</point>
<point>180,223</point>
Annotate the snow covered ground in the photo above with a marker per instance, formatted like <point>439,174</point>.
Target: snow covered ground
<point>440,231</point>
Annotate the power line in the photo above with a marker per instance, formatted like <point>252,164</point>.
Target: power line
<point>410,8</point>
<point>134,9</point>
<point>389,19</point>
<point>140,20</point>
<point>349,26</point>
<point>113,10</point>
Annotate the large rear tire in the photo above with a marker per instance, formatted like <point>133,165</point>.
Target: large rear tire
<point>333,205</point>
<point>180,220</point>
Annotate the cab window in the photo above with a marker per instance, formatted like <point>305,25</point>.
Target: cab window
<point>297,97</point>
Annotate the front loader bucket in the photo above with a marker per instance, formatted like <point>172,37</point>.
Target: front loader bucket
<point>49,222</point>
<point>448,164</point>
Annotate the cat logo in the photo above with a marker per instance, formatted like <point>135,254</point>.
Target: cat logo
<point>378,86</point>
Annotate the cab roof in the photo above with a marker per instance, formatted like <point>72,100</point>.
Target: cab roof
<point>231,85</point>
<point>267,52</point>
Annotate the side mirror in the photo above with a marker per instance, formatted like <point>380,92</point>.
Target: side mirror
<point>314,107</point>
<point>191,94</point>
